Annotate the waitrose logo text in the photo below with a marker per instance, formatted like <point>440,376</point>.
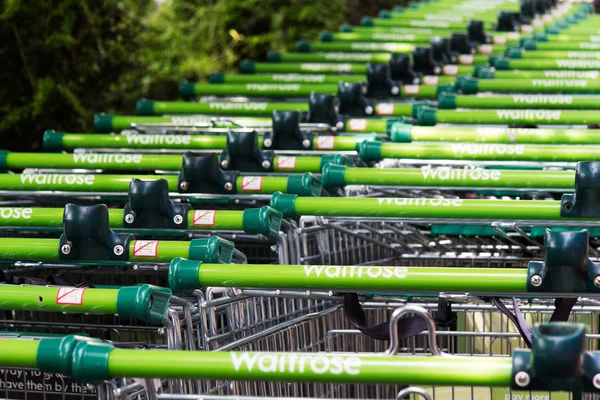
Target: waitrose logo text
<point>529,115</point>
<point>353,271</point>
<point>318,364</point>
<point>420,202</point>
<point>57,179</point>
<point>159,139</point>
<point>542,99</point>
<point>101,158</point>
<point>485,148</point>
<point>452,174</point>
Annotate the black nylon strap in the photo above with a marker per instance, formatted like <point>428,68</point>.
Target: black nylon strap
<point>407,326</point>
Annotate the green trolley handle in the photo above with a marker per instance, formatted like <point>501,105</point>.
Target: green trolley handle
<point>141,251</point>
<point>252,108</point>
<point>137,162</point>
<point>257,89</point>
<point>449,101</point>
<point>430,117</point>
<point>555,86</point>
<point>339,176</point>
<point>401,133</point>
<point>145,302</point>
<point>263,220</point>
<point>347,51</point>
<point>248,67</point>
<point>217,77</point>
<point>558,64</point>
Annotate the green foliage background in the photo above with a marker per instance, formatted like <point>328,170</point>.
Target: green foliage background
<point>63,61</point>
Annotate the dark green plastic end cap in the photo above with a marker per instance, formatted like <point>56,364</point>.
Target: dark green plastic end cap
<point>186,89</point>
<point>103,123</point>
<point>273,56</point>
<point>264,220</point>
<point>417,108</point>
<point>304,185</point>
<point>216,77</point>
<point>401,133</point>
<point>90,361</point>
<point>247,67</point>
<point>571,20</point>
<point>366,21</point>
<point>284,203</point>
<point>326,36</point>
<point>502,64</point>
<point>145,302</point>
<point>56,354</point>
<point>213,250</point>
<point>460,81</point>
<point>346,28</point>
<point>529,44</point>
<point>52,140</point>
<point>144,107</point>
<point>470,86</point>
<point>385,14</point>
<point>303,46</point>
<point>370,151</point>
<point>562,25</point>
<point>447,101</point>
<point>426,117</point>
<point>336,159</point>
<point>398,10</point>
<point>183,275</point>
<point>483,72</point>
<point>514,52</point>
<point>552,30</point>
<point>333,176</point>
<point>540,37</point>
<point>447,88</point>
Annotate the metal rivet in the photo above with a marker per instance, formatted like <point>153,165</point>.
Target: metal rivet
<point>129,218</point>
<point>184,185</point>
<point>597,281</point>
<point>596,381</point>
<point>340,125</point>
<point>228,186</point>
<point>224,163</point>
<point>178,219</point>
<point>267,143</point>
<point>118,250</point>
<point>306,143</point>
<point>368,110</point>
<point>522,379</point>
<point>65,249</point>
<point>395,90</point>
<point>536,280</point>
<point>266,164</point>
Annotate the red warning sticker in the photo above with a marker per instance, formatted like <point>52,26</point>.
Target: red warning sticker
<point>385,108</point>
<point>486,49</point>
<point>70,296</point>
<point>145,248</point>
<point>286,162</point>
<point>411,89</point>
<point>357,124</point>
<point>500,39</point>
<point>252,183</point>
<point>451,70</point>
<point>325,142</point>
<point>204,217</point>
<point>465,59</point>
<point>431,80</point>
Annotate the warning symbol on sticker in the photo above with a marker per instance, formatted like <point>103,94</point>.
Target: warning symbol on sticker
<point>204,217</point>
<point>145,248</point>
<point>357,124</point>
<point>285,162</point>
<point>486,49</point>
<point>325,142</point>
<point>385,108</point>
<point>411,89</point>
<point>451,70</point>
<point>431,80</point>
<point>252,183</point>
<point>465,59</point>
<point>70,296</point>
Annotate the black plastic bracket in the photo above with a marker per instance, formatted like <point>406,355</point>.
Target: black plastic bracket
<point>557,361</point>
<point>323,109</point>
<point>424,63</point>
<point>352,99</point>
<point>201,173</point>
<point>566,267</point>
<point>460,43</point>
<point>286,133</point>
<point>440,50</point>
<point>243,154</point>
<point>506,22</point>
<point>401,69</point>
<point>379,81</point>
<point>149,206</point>
<point>585,202</point>
<point>87,235</point>
<point>476,32</point>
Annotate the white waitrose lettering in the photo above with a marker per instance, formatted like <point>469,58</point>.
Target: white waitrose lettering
<point>421,202</point>
<point>326,67</point>
<point>159,139</point>
<point>492,148</point>
<point>101,158</point>
<point>578,64</point>
<point>543,99</point>
<point>293,363</point>
<point>261,87</point>
<point>54,179</point>
<point>15,213</point>
<point>559,82</point>
<point>530,115</point>
<point>452,174</point>
<point>298,77</point>
<point>583,54</point>
<point>347,57</point>
<point>353,271</point>
<point>572,74</point>
<point>238,106</point>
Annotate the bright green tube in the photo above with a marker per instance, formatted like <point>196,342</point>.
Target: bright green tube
<point>447,177</point>
<point>19,353</point>
<point>367,278</point>
<point>296,367</point>
<point>489,151</point>
<point>290,78</point>
<point>302,164</point>
<point>403,109</point>
<point>261,184</point>
<point>539,85</point>
<point>379,37</point>
<point>542,117</point>
<point>338,57</point>
<point>550,74</point>
<point>237,108</point>
<point>108,123</point>
<point>264,89</point>
<point>561,64</point>
<point>423,208</point>
<point>532,101</point>
<point>42,298</point>
<point>504,135</point>
<point>72,141</point>
<point>572,45</point>
<point>300,68</point>
<point>394,31</point>
<point>369,125</point>
<point>418,23</point>
<point>550,55</point>
<point>347,47</point>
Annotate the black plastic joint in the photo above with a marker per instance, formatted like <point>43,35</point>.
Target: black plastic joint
<point>87,235</point>
<point>323,109</point>
<point>460,43</point>
<point>401,69</point>
<point>286,133</point>
<point>201,173</point>
<point>352,99</point>
<point>244,154</point>
<point>476,32</point>
<point>585,202</point>
<point>566,267</point>
<point>149,206</point>
<point>424,63</point>
<point>379,81</point>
